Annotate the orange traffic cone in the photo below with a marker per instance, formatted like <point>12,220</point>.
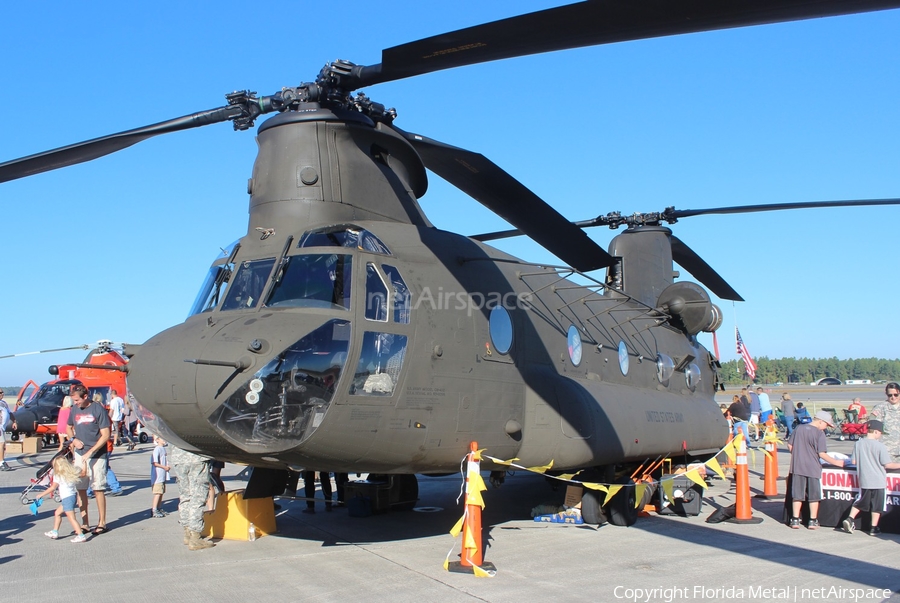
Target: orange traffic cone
<point>472,556</point>
<point>743,509</point>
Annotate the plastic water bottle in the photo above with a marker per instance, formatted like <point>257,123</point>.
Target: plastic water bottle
<point>251,533</point>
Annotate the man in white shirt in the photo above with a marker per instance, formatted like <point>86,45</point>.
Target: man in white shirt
<point>116,416</point>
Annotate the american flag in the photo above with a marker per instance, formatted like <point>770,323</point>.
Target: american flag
<point>749,365</point>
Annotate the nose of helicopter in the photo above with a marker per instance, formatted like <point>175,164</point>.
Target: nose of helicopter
<point>260,381</point>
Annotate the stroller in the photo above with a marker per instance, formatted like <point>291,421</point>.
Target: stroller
<point>850,428</point>
<point>42,479</point>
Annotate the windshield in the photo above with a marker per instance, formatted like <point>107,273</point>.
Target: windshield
<point>213,288</point>
<point>248,284</point>
<point>50,394</point>
<point>314,281</point>
<point>344,236</point>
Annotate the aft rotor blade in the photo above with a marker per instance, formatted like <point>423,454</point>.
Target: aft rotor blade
<point>745,209</point>
<point>688,259</point>
<point>592,23</point>
<point>496,189</point>
<point>98,147</point>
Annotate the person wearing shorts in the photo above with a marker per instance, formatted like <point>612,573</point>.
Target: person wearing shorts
<point>807,446</point>
<point>871,458</point>
<point>159,467</point>
<point>89,429</point>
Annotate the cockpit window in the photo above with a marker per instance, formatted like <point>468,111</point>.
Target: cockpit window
<point>344,236</point>
<point>213,288</point>
<point>313,281</point>
<point>248,284</point>
<point>376,295</point>
<point>380,363</point>
<point>400,294</point>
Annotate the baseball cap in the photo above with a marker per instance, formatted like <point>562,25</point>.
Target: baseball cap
<point>876,424</point>
<point>826,417</point>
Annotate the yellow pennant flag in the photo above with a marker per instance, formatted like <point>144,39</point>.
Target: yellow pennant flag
<point>752,452</point>
<point>474,498</point>
<point>542,469</point>
<point>729,452</point>
<point>610,492</point>
<point>499,462</point>
<point>667,488</point>
<point>480,573</point>
<point>694,476</point>
<point>458,527</point>
<point>736,442</point>
<point>639,493</point>
<point>476,456</point>
<point>469,543</point>
<point>447,564</point>
<point>715,466</point>
<point>767,453</point>
<point>595,486</point>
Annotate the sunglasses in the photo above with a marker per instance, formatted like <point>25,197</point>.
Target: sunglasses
<point>893,395</point>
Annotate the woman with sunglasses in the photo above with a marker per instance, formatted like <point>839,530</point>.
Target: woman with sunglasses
<point>888,412</point>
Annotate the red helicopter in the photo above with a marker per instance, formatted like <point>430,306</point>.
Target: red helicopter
<point>102,370</point>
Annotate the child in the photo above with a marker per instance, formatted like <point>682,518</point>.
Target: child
<point>158,469</point>
<point>65,477</point>
<point>872,458</point>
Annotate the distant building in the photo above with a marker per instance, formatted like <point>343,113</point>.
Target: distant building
<point>858,382</point>
<point>827,381</point>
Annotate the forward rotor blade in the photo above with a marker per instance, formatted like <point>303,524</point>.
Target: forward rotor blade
<point>490,185</point>
<point>98,147</point>
<point>592,23</point>
<point>78,347</point>
<point>688,259</point>
<point>746,209</point>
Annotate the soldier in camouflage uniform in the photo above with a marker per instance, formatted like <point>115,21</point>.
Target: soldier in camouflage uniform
<point>889,414</point>
<point>192,471</point>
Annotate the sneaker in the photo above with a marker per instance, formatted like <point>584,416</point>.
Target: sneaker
<point>795,523</point>
<point>52,534</point>
<point>849,525</point>
<point>116,493</point>
<point>813,524</point>
<point>80,538</point>
<point>4,466</point>
<point>874,531</point>
<point>157,513</point>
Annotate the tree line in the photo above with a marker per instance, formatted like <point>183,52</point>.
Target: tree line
<point>806,370</point>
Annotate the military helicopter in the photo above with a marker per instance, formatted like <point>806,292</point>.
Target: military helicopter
<point>344,332</point>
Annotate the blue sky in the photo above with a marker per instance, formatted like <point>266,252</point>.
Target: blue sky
<point>117,248</point>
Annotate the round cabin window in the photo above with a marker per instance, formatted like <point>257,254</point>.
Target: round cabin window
<point>501,329</point>
<point>623,357</point>
<point>574,345</point>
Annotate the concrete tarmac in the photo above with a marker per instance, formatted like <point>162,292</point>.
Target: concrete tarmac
<point>399,556</point>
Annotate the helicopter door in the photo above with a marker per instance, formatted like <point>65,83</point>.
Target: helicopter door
<point>383,319</point>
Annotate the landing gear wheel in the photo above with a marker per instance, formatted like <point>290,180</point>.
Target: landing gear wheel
<point>407,487</point>
<point>591,508</point>
<point>15,436</point>
<point>144,438</point>
<point>621,509</point>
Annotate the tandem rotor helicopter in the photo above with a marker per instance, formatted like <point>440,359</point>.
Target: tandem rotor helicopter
<point>344,332</point>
